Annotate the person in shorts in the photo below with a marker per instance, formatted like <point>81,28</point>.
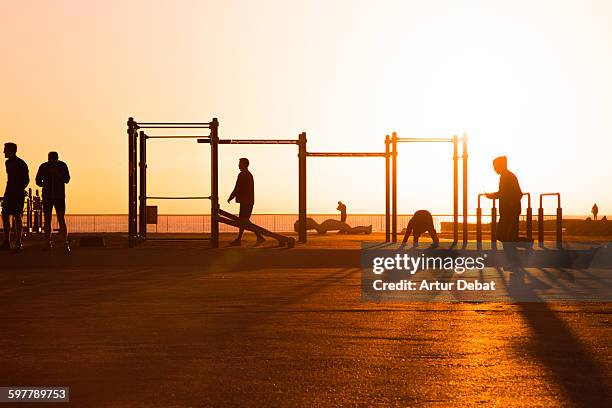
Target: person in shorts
<point>53,176</point>
<point>13,201</point>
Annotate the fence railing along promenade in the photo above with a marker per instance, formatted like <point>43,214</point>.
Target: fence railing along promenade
<point>173,223</point>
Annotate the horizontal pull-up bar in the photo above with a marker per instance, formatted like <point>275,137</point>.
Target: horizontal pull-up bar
<point>177,198</point>
<point>252,141</point>
<point>422,139</point>
<point>333,154</point>
<point>176,136</point>
<point>558,195</point>
<point>173,123</point>
<point>173,127</point>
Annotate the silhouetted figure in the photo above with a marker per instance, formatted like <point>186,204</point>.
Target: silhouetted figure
<point>509,196</point>
<point>421,222</point>
<point>53,176</point>
<point>333,225</point>
<point>244,193</point>
<point>18,178</point>
<point>342,209</point>
<point>604,218</point>
<point>595,210</point>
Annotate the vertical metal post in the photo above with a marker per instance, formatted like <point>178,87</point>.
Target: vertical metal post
<point>302,154</point>
<point>455,190</point>
<point>132,182</point>
<point>529,218</point>
<point>38,227</point>
<point>493,226</point>
<point>142,213</point>
<point>478,226</point>
<point>214,183</point>
<point>394,188</point>
<point>541,224</point>
<point>387,189</point>
<point>559,225</point>
<point>29,213</point>
<point>529,223</point>
<point>464,157</point>
<point>479,223</point>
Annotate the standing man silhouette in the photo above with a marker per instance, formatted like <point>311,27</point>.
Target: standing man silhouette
<point>509,195</point>
<point>342,209</point>
<point>595,211</point>
<point>18,178</point>
<point>53,176</point>
<point>244,193</point>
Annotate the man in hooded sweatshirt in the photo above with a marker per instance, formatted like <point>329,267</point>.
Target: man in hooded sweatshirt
<point>509,195</point>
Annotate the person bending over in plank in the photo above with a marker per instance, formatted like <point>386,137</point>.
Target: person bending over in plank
<point>421,222</point>
<point>244,193</point>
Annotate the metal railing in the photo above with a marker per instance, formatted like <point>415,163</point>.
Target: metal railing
<point>200,223</point>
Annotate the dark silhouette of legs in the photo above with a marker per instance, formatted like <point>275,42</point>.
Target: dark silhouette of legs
<point>434,237</point>
<point>6,224</point>
<point>244,218</point>
<point>48,214</point>
<point>406,235</point>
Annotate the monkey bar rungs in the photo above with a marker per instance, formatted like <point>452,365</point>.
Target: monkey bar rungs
<point>139,126</point>
<point>173,123</point>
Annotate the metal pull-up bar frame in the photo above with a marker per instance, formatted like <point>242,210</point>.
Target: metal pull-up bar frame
<point>300,142</point>
<point>558,220</point>
<point>137,201</point>
<point>386,154</point>
<point>302,170</point>
<point>390,155</point>
<point>394,140</point>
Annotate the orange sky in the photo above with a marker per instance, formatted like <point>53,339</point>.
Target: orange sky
<point>530,79</point>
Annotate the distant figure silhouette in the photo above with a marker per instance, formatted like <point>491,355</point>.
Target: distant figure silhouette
<point>604,218</point>
<point>595,210</point>
<point>18,178</point>
<point>342,209</point>
<point>421,222</point>
<point>509,196</point>
<point>244,193</point>
<point>53,176</point>
<point>333,225</point>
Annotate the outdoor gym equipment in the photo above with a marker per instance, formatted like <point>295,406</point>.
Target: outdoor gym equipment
<point>559,220</point>
<point>386,155</point>
<point>214,163</point>
<point>303,154</point>
<point>137,217</point>
<point>455,141</point>
<point>528,221</point>
<point>479,222</point>
<point>33,215</point>
<point>529,218</point>
<point>137,203</point>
